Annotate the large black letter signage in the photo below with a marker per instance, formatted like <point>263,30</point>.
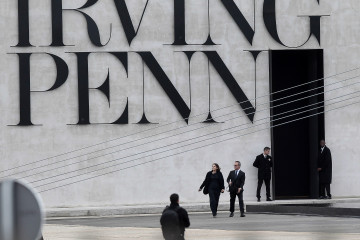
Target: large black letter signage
<point>269,14</point>
<point>231,83</point>
<point>179,23</point>
<point>83,87</point>
<point>130,32</point>
<point>240,20</point>
<point>24,84</point>
<point>23,23</point>
<point>57,24</point>
<point>126,20</point>
<point>166,84</point>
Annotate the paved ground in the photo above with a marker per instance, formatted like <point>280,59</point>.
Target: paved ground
<point>203,226</point>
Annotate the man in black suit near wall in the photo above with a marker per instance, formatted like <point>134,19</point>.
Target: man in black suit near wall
<point>264,164</point>
<point>325,170</point>
<point>236,181</point>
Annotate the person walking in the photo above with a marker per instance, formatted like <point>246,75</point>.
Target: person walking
<point>236,181</point>
<point>325,170</point>
<point>174,220</point>
<point>213,185</point>
<point>264,164</point>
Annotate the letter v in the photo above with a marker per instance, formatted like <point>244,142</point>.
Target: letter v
<point>125,19</point>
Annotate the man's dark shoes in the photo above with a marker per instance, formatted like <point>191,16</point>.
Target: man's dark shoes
<point>214,215</point>
<point>269,199</point>
<point>258,200</point>
<point>242,215</point>
<point>231,214</point>
<point>328,197</point>
<point>321,197</point>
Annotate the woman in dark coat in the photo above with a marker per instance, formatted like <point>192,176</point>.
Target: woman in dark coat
<point>214,185</point>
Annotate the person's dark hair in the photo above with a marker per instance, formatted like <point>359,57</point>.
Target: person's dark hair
<point>174,198</point>
<point>217,167</point>
<point>266,148</point>
<point>238,162</point>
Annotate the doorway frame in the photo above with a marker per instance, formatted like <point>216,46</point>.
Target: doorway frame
<point>320,120</point>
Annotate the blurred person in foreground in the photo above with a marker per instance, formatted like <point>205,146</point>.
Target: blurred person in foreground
<point>174,220</point>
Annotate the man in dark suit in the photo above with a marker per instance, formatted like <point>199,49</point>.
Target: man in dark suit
<point>325,170</point>
<point>236,181</point>
<point>264,164</point>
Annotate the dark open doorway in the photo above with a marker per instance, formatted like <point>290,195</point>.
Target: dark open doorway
<point>295,140</point>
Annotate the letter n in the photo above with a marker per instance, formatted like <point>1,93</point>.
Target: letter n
<point>231,83</point>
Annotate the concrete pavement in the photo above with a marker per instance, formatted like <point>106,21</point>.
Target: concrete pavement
<point>203,226</point>
<point>191,207</point>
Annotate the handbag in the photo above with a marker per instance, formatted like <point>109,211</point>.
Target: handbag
<point>206,190</point>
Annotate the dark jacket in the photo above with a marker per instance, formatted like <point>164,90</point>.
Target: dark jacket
<point>325,163</point>
<point>236,181</point>
<point>183,216</point>
<point>264,166</point>
<point>208,179</point>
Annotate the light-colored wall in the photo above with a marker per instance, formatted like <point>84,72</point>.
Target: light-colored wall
<point>182,173</point>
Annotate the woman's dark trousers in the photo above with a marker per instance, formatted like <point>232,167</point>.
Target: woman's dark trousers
<point>214,196</point>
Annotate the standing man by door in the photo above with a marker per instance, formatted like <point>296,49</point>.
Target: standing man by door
<point>236,181</point>
<point>264,164</point>
<point>325,170</point>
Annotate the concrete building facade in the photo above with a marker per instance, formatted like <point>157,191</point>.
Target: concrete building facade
<point>107,102</point>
